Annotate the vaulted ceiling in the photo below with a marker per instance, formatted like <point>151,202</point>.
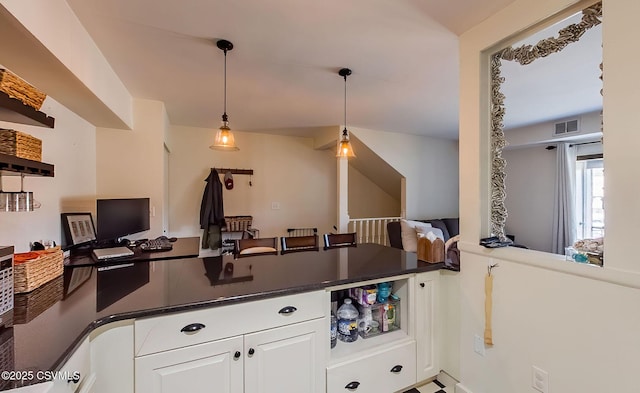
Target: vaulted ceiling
<point>282,72</point>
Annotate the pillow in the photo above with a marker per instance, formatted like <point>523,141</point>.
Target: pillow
<point>408,231</point>
<point>443,227</point>
<point>436,231</point>
<point>257,250</point>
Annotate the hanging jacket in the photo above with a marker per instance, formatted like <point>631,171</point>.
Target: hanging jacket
<point>212,212</point>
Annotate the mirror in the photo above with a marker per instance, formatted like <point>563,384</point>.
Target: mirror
<point>546,132</point>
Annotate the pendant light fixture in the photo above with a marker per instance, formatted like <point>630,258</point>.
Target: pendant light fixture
<point>344,146</point>
<point>224,137</point>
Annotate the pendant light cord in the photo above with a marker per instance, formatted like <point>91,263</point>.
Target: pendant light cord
<point>345,102</point>
<point>225,86</point>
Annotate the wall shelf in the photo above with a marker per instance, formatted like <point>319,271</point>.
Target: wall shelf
<point>14,111</point>
<point>10,165</point>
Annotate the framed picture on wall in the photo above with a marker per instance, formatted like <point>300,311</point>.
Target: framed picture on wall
<point>78,228</point>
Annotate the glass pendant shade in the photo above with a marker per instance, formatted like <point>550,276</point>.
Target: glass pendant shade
<point>344,146</point>
<point>224,139</point>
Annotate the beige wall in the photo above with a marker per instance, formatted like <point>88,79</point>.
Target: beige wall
<point>70,147</point>
<point>578,323</point>
<point>367,200</point>
<point>430,166</point>
<point>130,163</point>
<point>287,171</point>
<point>530,184</point>
<point>61,58</point>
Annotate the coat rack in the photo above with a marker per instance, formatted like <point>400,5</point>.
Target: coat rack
<point>234,171</point>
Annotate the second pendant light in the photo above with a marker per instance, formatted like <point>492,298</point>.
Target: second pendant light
<point>344,146</point>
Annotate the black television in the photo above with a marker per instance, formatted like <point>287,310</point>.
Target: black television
<point>117,218</point>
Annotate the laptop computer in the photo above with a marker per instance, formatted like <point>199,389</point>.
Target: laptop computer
<point>103,254</point>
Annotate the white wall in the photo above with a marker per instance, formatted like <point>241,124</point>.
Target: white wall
<point>530,186</point>
<point>89,84</point>
<point>70,147</point>
<point>579,323</point>
<point>366,199</point>
<point>589,126</point>
<point>130,163</point>
<point>287,171</point>
<point>430,166</point>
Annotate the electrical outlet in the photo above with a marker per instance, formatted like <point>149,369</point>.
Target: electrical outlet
<point>539,379</point>
<point>275,205</point>
<point>478,345</point>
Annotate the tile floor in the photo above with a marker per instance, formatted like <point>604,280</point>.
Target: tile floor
<point>433,387</point>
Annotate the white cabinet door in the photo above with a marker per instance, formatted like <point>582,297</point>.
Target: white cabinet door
<point>287,359</point>
<point>427,317</point>
<point>211,367</point>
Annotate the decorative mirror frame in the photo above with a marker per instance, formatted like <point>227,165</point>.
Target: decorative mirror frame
<point>525,54</point>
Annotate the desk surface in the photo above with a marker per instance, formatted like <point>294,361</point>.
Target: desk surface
<point>187,247</point>
<point>50,321</point>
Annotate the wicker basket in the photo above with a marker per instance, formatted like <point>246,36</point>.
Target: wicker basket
<point>19,144</point>
<point>238,223</point>
<point>27,306</point>
<point>33,269</point>
<point>18,88</point>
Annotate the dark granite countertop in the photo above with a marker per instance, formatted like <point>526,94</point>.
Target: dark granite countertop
<point>51,321</point>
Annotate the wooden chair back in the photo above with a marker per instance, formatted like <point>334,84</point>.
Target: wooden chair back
<point>335,240</point>
<point>298,243</point>
<point>261,246</point>
<point>302,231</point>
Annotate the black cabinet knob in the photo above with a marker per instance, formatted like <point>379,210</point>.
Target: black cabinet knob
<point>352,385</point>
<point>287,310</point>
<point>421,285</point>
<point>396,369</point>
<point>75,378</point>
<point>192,328</point>
<point>251,351</point>
<point>237,355</point>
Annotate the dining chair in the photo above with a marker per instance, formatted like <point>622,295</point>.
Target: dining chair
<point>298,243</point>
<point>261,246</point>
<point>335,240</point>
<point>302,231</point>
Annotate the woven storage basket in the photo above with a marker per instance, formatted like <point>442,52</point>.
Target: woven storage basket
<point>18,88</point>
<point>33,269</point>
<point>27,306</point>
<point>19,144</point>
<point>238,223</point>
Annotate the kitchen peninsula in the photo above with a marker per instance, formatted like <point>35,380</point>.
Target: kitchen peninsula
<point>125,327</point>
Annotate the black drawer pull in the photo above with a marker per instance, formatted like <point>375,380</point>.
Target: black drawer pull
<point>236,355</point>
<point>251,351</point>
<point>421,285</point>
<point>75,378</point>
<point>192,328</point>
<point>396,369</point>
<point>352,385</point>
<point>287,310</point>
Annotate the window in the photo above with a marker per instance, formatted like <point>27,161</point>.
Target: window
<point>590,197</point>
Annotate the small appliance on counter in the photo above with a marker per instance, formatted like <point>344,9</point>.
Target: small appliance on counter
<point>6,286</point>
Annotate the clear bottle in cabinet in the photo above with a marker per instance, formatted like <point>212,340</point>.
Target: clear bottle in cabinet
<point>334,329</point>
<point>347,322</point>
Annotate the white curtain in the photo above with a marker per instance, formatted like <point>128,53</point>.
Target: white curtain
<point>564,223</point>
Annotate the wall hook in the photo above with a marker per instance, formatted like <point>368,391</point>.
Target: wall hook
<point>490,267</point>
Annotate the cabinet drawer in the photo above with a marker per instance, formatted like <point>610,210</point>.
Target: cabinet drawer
<point>74,372</point>
<point>162,333</point>
<point>388,370</point>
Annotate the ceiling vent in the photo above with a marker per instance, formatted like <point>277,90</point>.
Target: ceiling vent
<point>566,127</point>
